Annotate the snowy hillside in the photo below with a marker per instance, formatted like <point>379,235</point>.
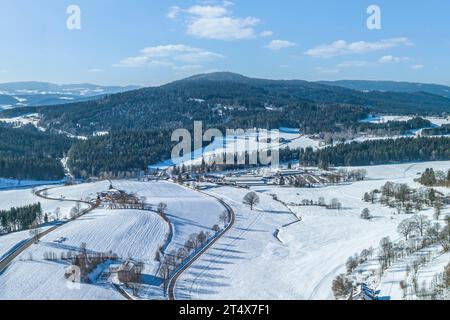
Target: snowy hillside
<point>18,198</point>
<point>262,259</point>
<point>132,233</point>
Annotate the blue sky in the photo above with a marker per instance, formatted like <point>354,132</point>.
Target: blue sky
<point>150,42</point>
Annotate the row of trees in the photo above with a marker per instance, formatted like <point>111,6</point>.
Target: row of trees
<point>373,152</point>
<point>171,261</point>
<point>20,218</point>
<point>405,199</point>
<point>420,226</point>
<point>334,203</point>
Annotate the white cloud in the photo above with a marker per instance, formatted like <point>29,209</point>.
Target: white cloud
<point>417,66</point>
<point>216,22</point>
<point>266,33</point>
<point>223,28</point>
<point>208,11</point>
<point>341,47</point>
<point>170,56</point>
<point>280,44</point>
<point>392,59</point>
<point>95,70</point>
<point>173,12</point>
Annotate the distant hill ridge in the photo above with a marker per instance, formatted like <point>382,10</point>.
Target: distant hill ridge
<point>393,86</point>
<point>233,100</point>
<point>33,93</point>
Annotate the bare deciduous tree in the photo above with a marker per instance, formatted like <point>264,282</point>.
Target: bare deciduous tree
<point>251,199</point>
<point>342,287</point>
<point>422,223</point>
<point>406,227</point>
<point>35,231</point>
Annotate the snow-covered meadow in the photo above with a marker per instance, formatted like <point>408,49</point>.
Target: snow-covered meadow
<point>23,197</point>
<point>261,258</point>
<point>188,211</point>
<point>436,121</point>
<point>128,233</point>
<point>9,242</point>
<point>131,234</point>
<point>267,254</point>
<point>248,141</point>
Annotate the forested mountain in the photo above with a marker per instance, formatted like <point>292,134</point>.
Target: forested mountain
<point>26,153</point>
<point>392,86</point>
<point>225,99</point>
<point>119,153</point>
<point>140,123</point>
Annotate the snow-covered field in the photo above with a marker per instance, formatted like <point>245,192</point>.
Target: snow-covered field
<point>237,144</point>
<point>189,211</point>
<point>10,241</point>
<point>85,191</point>
<point>266,255</point>
<point>128,233</point>
<point>23,197</point>
<point>437,121</point>
<point>261,259</point>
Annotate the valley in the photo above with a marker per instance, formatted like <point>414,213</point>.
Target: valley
<point>94,206</point>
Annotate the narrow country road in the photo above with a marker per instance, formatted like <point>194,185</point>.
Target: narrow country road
<point>174,279</point>
<point>7,260</point>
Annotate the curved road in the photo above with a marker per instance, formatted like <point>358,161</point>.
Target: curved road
<point>7,260</point>
<point>174,279</point>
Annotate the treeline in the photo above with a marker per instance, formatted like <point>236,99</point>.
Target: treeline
<point>20,218</point>
<point>27,153</point>
<point>375,152</point>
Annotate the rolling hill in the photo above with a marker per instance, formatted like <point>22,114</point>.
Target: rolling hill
<point>232,100</point>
